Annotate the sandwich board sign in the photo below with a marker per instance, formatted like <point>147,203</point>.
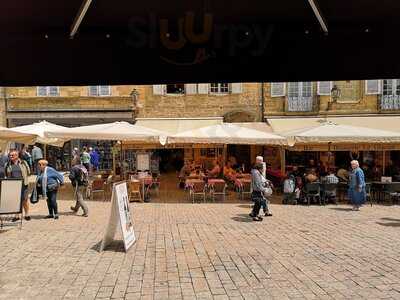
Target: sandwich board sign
<point>120,215</point>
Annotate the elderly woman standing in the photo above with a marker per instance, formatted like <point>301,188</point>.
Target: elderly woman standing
<point>357,192</point>
<point>49,180</point>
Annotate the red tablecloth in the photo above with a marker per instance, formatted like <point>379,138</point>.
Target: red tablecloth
<point>213,181</point>
<point>190,182</point>
<point>239,181</point>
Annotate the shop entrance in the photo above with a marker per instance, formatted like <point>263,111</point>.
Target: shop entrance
<point>171,160</point>
<point>242,155</point>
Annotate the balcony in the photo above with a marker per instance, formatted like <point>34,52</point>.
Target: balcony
<point>390,102</point>
<point>300,104</point>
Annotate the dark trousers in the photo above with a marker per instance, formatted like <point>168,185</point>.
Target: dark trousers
<point>257,198</point>
<point>52,203</point>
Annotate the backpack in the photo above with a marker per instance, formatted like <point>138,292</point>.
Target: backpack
<point>82,175</point>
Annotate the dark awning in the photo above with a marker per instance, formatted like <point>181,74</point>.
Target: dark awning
<point>118,42</point>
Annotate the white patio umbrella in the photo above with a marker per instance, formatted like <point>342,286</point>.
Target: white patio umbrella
<point>226,133</point>
<point>39,129</point>
<point>11,135</point>
<point>117,131</point>
<point>340,134</point>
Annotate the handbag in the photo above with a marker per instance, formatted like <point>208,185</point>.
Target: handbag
<point>51,187</point>
<point>34,197</point>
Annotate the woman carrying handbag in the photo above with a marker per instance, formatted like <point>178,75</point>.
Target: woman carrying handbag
<point>48,182</point>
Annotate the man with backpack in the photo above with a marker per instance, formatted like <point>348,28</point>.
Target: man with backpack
<point>79,180</point>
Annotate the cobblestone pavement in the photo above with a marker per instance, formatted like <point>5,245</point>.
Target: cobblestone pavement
<point>206,251</point>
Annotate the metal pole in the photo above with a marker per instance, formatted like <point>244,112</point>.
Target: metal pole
<point>283,161</point>
<point>383,162</point>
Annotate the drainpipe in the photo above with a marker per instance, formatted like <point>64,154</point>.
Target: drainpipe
<point>262,104</point>
<point>4,96</point>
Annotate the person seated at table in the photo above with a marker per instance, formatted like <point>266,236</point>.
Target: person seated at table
<point>377,173</point>
<point>229,172</point>
<point>392,169</point>
<point>295,172</point>
<point>331,178</point>
<point>343,174</point>
<point>215,171</point>
<point>185,170</point>
<point>322,169</point>
<point>233,161</point>
<point>311,176</point>
<point>197,173</point>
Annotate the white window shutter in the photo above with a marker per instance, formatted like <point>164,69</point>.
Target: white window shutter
<point>104,90</point>
<point>202,88</point>
<point>324,88</point>
<point>158,89</point>
<point>236,88</point>
<point>190,89</point>
<point>53,91</point>
<point>278,89</point>
<point>93,90</point>
<point>373,87</point>
<point>42,91</point>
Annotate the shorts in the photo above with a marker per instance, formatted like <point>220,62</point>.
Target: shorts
<point>24,192</point>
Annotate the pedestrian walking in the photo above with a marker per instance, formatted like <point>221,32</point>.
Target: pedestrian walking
<point>17,168</point>
<point>357,193</point>
<point>79,180</point>
<point>257,195</point>
<point>85,158</point>
<point>48,182</point>
<point>94,159</point>
<point>37,155</point>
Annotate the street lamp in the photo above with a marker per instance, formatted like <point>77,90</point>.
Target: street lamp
<point>335,93</point>
<point>135,102</point>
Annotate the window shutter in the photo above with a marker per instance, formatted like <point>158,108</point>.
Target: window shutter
<point>42,91</point>
<point>104,90</point>
<point>158,89</point>
<point>202,88</point>
<point>236,88</point>
<point>53,91</point>
<point>190,89</point>
<point>93,90</point>
<point>324,88</point>
<point>278,89</point>
<point>373,87</point>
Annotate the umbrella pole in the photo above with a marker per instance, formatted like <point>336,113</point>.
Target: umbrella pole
<point>383,162</point>
<point>45,151</point>
<point>283,161</point>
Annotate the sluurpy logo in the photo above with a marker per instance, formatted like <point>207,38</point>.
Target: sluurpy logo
<point>182,43</point>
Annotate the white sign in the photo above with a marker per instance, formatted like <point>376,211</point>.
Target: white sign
<point>120,213</point>
<point>143,161</point>
<point>10,197</point>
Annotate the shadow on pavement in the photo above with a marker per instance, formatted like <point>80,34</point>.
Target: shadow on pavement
<point>391,219</point>
<point>114,246</point>
<point>389,224</point>
<point>245,206</point>
<point>242,218</point>
<point>341,208</point>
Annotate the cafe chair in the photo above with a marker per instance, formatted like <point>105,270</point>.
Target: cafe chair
<point>97,186</point>
<point>393,191</point>
<point>198,189</point>
<point>368,193</point>
<point>134,191</point>
<point>330,192</point>
<point>245,189</point>
<point>313,192</point>
<point>218,189</point>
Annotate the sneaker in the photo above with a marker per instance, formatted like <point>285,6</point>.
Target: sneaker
<point>85,215</point>
<point>268,214</point>
<point>49,217</point>
<point>56,217</point>
<point>27,218</point>
<point>73,209</point>
<point>257,219</point>
<point>15,219</point>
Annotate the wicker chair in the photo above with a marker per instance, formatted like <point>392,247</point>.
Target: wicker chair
<point>97,186</point>
<point>198,189</point>
<point>135,191</point>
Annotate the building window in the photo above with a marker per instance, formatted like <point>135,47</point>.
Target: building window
<point>99,90</point>
<point>300,96</point>
<point>48,91</point>
<point>390,98</point>
<point>219,88</point>
<point>175,89</point>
